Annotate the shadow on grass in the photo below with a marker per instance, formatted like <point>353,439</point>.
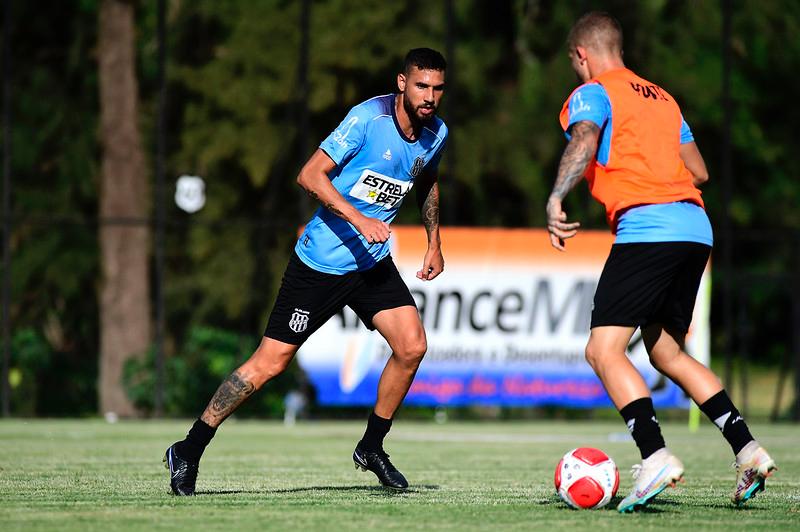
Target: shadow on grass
<point>651,508</point>
<point>556,501</point>
<point>655,506</point>
<point>665,505</point>
<point>727,505</point>
<point>225,492</point>
<point>373,490</point>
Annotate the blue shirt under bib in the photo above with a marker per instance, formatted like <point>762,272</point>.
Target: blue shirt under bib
<point>668,222</point>
<point>681,221</point>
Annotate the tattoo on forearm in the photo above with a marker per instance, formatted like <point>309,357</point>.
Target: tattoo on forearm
<point>579,152</point>
<point>230,394</point>
<point>330,206</point>
<point>430,210</point>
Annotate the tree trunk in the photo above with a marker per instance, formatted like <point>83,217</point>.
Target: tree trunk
<point>125,320</point>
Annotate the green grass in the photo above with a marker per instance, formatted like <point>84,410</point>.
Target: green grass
<point>89,475</point>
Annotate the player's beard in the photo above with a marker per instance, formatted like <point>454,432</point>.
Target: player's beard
<point>411,111</point>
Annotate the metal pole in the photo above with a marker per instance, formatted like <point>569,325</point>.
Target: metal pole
<point>796,328</point>
<point>6,400</point>
<point>448,190</point>
<point>743,334</point>
<point>160,211</point>
<point>727,185</point>
<point>304,204</point>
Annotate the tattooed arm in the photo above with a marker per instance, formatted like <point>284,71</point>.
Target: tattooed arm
<point>315,181</point>
<point>230,394</point>
<point>577,156</point>
<point>428,201</point>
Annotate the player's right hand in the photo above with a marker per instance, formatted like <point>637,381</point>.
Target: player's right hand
<point>373,230</point>
<point>557,224</point>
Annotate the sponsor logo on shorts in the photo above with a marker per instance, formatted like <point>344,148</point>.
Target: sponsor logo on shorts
<point>379,189</point>
<point>299,320</point>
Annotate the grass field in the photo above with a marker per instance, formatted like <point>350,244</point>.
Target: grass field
<point>90,475</point>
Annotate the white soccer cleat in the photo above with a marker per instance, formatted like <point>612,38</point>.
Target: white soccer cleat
<point>658,471</point>
<point>753,466</point>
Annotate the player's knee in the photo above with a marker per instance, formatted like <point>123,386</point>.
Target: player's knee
<point>412,351</point>
<point>266,364</point>
<point>663,358</point>
<point>265,371</point>
<point>277,366</point>
<point>593,354</point>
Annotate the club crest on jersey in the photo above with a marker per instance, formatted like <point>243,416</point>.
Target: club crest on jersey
<point>419,164</point>
<point>299,320</point>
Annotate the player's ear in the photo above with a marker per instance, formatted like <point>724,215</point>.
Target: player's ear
<point>401,82</point>
<point>580,53</point>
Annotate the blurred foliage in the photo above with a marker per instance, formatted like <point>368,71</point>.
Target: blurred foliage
<point>43,379</point>
<point>193,374</point>
<point>235,110</point>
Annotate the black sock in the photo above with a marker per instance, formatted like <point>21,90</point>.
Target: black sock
<point>640,416</point>
<point>721,411</point>
<point>377,428</point>
<point>199,436</point>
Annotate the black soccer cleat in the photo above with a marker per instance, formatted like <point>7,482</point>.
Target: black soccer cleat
<point>182,473</point>
<point>378,462</point>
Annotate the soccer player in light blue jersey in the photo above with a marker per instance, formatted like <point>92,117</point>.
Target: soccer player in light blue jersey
<point>360,174</point>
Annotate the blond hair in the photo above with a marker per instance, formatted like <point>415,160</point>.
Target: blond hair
<point>598,31</point>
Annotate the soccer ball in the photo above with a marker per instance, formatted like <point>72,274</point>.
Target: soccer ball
<point>586,478</point>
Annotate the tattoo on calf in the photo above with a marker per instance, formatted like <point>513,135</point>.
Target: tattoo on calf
<point>230,394</point>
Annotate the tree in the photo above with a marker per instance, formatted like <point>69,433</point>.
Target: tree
<point>125,320</point>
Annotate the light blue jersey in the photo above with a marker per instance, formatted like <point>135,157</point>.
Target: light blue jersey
<point>667,222</point>
<point>376,165</point>
<point>682,221</point>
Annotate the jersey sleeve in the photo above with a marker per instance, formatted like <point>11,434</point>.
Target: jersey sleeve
<point>433,163</point>
<point>686,132</point>
<point>345,141</point>
<point>589,102</point>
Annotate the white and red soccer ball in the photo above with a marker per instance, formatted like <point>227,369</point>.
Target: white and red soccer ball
<point>586,478</point>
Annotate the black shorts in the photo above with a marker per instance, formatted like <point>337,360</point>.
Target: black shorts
<point>650,282</point>
<point>308,298</point>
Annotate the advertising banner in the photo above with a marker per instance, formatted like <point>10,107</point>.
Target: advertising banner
<point>507,323</point>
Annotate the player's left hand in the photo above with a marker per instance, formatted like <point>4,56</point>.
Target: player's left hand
<point>557,224</point>
<point>432,264</point>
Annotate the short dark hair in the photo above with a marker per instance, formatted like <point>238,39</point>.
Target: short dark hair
<point>424,59</point>
<point>597,30</point>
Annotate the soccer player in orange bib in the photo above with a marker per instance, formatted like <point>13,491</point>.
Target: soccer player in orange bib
<point>628,138</point>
